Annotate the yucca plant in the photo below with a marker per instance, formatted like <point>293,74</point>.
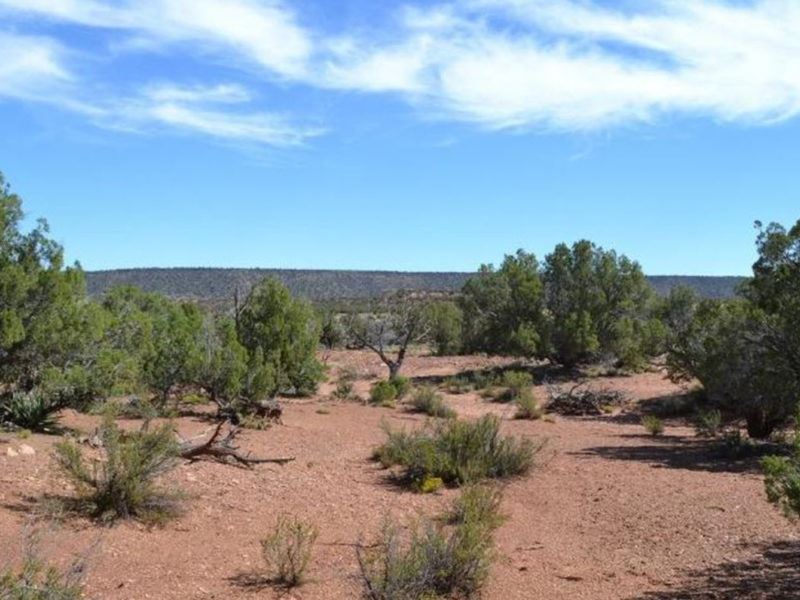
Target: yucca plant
<point>31,410</point>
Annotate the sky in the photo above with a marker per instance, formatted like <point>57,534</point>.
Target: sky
<point>432,135</point>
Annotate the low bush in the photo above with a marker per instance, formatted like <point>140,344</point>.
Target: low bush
<point>457,452</point>
<point>515,384</point>
<point>709,424</point>
<point>528,407</point>
<point>653,425</point>
<point>435,560</point>
<point>402,385</point>
<point>287,550</point>
<point>32,410</point>
<point>123,484</point>
<point>426,400</point>
<point>383,393</point>
<point>37,580</point>
<point>478,503</point>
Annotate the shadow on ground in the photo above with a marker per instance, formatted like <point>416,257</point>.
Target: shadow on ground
<point>773,575</point>
<point>693,454</point>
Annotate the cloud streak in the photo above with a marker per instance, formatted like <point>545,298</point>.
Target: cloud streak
<point>567,65</point>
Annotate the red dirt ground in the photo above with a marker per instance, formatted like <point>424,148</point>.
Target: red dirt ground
<point>609,512</point>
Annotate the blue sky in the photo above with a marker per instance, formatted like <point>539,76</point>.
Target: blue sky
<point>431,135</point>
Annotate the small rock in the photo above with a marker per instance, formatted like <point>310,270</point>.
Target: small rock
<point>26,450</point>
<point>11,452</point>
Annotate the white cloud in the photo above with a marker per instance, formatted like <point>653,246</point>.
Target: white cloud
<point>28,65</point>
<point>562,64</point>
<point>264,33</point>
<point>577,65</point>
<point>197,110</point>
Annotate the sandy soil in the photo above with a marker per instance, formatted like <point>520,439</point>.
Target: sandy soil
<point>609,513</point>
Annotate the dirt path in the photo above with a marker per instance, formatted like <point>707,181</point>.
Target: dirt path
<point>608,514</point>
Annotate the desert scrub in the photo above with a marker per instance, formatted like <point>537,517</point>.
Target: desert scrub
<point>383,393</point>
<point>709,424</point>
<point>287,550</point>
<point>32,410</point>
<point>434,560</point>
<point>478,503</point>
<point>426,400</point>
<point>457,452</point>
<point>527,406</point>
<point>345,385</point>
<point>123,484</point>
<point>653,425</point>
<point>35,579</point>
<point>515,382</point>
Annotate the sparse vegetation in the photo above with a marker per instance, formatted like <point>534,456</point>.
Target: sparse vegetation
<point>426,400</point>
<point>515,383</point>
<point>435,559</point>
<point>709,423</point>
<point>36,579</point>
<point>383,393</point>
<point>653,425</point>
<point>123,484</point>
<point>456,451</point>
<point>287,550</point>
<point>527,406</point>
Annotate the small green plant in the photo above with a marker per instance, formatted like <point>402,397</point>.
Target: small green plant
<point>402,385</point>
<point>194,399</point>
<point>528,407</point>
<point>456,451</point>
<point>32,410</point>
<point>426,400</point>
<point>478,503</point>
<point>344,390</point>
<point>709,424</point>
<point>37,580</point>
<point>287,550</point>
<point>439,558</point>
<point>383,392</point>
<point>123,484</point>
<point>653,425</point>
<point>515,382</point>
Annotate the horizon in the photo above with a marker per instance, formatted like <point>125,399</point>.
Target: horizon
<point>420,136</point>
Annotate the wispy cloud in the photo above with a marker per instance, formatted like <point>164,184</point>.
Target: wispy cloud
<point>562,64</point>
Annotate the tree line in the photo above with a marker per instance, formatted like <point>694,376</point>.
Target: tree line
<point>581,304</point>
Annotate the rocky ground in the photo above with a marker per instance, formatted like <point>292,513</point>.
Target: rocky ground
<point>608,513</point>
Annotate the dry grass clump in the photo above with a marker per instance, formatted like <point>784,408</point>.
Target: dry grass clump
<point>287,550</point>
<point>436,558</point>
<point>426,400</point>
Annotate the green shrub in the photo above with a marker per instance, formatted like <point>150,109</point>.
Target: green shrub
<point>435,560</point>
<point>32,410</point>
<point>528,407</point>
<point>123,484</point>
<point>38,580</point>
<point>344,390</point>
<point>426,400</point>
<point>709,424</point>
<point>401,384</point>
<point>382,393</point>
<point>287,550</point>
<point>653,425</point>
<point>515,382</point>
<point>456,451</point>
<point>478,503</point>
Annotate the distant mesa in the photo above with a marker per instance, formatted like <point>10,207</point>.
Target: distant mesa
<point>217,285</point>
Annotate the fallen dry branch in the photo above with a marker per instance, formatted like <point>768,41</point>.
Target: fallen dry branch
<point>579,401</point>
<point>223,449</point>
